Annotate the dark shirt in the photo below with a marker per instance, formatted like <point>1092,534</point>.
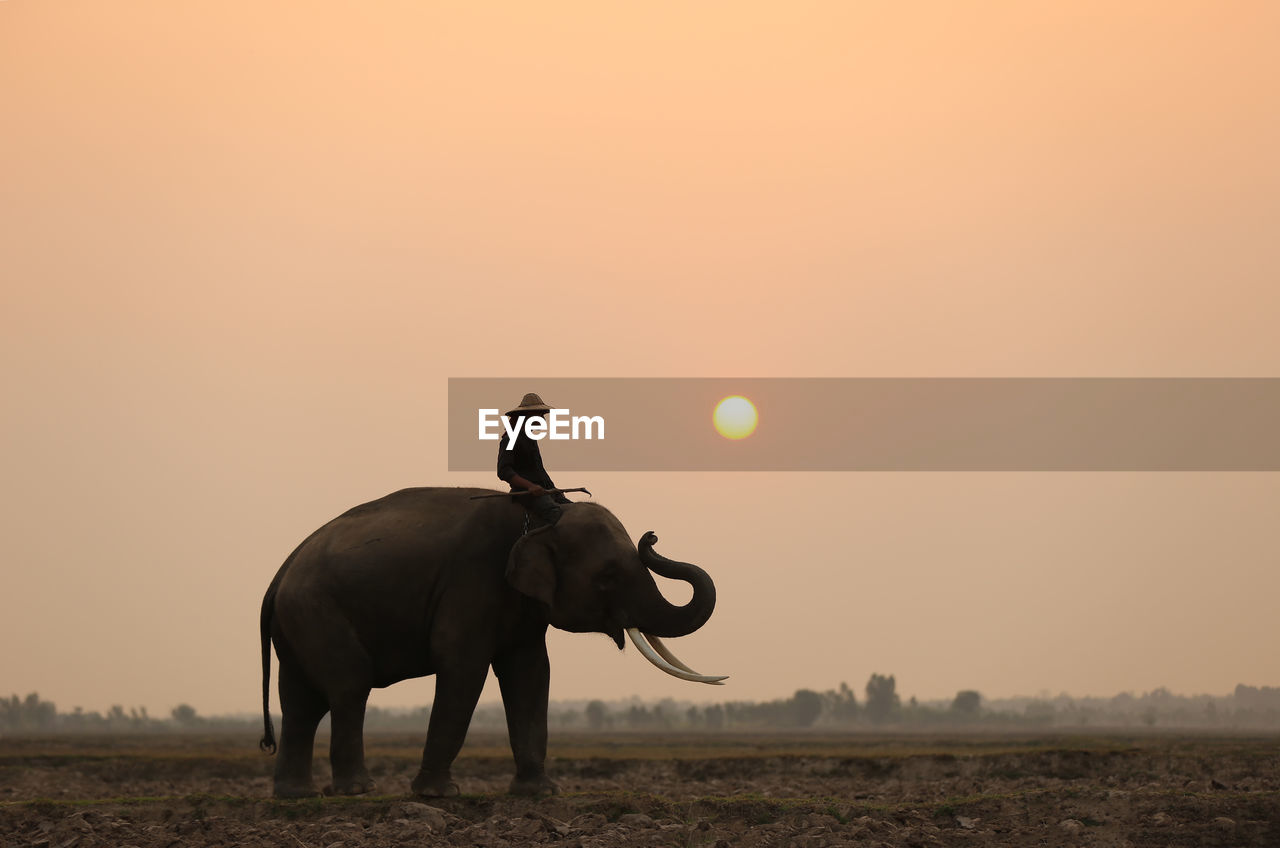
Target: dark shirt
<point>526,460</point>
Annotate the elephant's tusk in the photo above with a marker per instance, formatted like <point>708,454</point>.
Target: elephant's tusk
<point>666,654</point>
<point>676,668</point>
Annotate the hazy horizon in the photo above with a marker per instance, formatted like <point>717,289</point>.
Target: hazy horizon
<point>1258,699</point>
<point>246,246</point>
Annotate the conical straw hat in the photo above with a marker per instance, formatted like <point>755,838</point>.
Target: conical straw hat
<point>529,404</point>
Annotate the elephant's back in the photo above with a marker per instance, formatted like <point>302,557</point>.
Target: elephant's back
<point>418,529</point>
<point>426,502</point>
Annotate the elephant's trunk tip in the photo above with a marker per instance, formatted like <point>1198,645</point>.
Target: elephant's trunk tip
<point>655,615</point>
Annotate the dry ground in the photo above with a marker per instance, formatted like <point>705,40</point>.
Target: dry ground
<point>664,790</point>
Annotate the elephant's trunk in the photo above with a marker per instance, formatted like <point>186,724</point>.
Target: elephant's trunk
<point>657,616</point>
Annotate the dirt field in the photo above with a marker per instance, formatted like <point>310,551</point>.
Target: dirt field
<point>623,790</point>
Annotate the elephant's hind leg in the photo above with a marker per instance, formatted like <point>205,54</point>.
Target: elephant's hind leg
<point>302,706</point>
<point>342,671</point>
<point>346,745</point>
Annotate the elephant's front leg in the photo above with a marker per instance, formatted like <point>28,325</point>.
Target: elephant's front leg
<point>525,676</point>
<point>457,691</point>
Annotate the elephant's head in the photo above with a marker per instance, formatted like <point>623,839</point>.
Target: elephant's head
<point>591,580</point>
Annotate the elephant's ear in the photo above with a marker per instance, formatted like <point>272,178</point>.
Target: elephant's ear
<point>531,569</point>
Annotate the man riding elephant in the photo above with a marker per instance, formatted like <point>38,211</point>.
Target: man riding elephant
<point>520,464</point>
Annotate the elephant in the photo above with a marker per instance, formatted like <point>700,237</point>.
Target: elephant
<point>448,581</point>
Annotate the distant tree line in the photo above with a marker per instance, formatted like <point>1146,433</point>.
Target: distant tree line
<point>880,706</point>
<point>33,714</point>
<point>1248,707</point>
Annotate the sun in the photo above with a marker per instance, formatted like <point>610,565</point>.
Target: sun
<point>735,417</point>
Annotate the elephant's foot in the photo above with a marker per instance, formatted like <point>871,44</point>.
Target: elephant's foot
<point>295,790</point>
<point>539,785</point>
<point>356,786</point>
<point>434,786</point>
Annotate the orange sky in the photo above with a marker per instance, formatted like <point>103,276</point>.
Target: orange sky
<point>245,245</point>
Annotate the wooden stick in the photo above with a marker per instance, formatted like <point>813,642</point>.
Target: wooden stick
<point>527,492</point>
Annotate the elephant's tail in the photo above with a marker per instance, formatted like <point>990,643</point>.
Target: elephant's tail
<point>268,741</point>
